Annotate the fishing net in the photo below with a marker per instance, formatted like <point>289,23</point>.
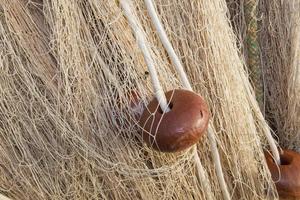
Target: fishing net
<point>280,41</point>
<point>278,64</point>
<point>69,73</point>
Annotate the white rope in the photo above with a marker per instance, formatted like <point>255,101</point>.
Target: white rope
<point>167,44</point>
<point>217,161</point>
<point>142,43</point>
<point>273,147</point>
<point>202,175</point>
<point>2,197</point>
<point>179,68</point>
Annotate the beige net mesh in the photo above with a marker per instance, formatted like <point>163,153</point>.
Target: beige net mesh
<point>279,47</point>
<point>68,69</point>
<point>280,40</point>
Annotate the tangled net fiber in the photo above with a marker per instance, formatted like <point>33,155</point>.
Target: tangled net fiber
<point>280,41</point>
<point>278,63</point>
<point>67,130</point>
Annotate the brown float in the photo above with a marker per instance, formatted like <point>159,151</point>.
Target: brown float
<point>179,128</point>
<point>287,175</point>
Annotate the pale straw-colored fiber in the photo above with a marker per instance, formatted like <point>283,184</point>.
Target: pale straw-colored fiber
<point>280,44</point>
<point>67,131</point>
<point>279,47</point>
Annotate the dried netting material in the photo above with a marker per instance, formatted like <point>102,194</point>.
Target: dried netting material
<point>279,46</point>
<point>207,62</point>
<point>67,129</point>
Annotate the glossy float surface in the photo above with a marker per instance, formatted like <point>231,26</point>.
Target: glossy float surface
<point>179,128</point>
<point>287,175</point>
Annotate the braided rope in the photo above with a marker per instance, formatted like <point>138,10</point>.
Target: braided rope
<point>254,64</point>
<point>253,60</point>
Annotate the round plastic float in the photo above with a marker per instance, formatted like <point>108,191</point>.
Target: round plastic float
<point>179,128</point>
<point>286,175</point>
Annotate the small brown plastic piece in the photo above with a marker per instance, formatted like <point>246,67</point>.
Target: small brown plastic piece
<point>179,128</point>
<point>287,175</point>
